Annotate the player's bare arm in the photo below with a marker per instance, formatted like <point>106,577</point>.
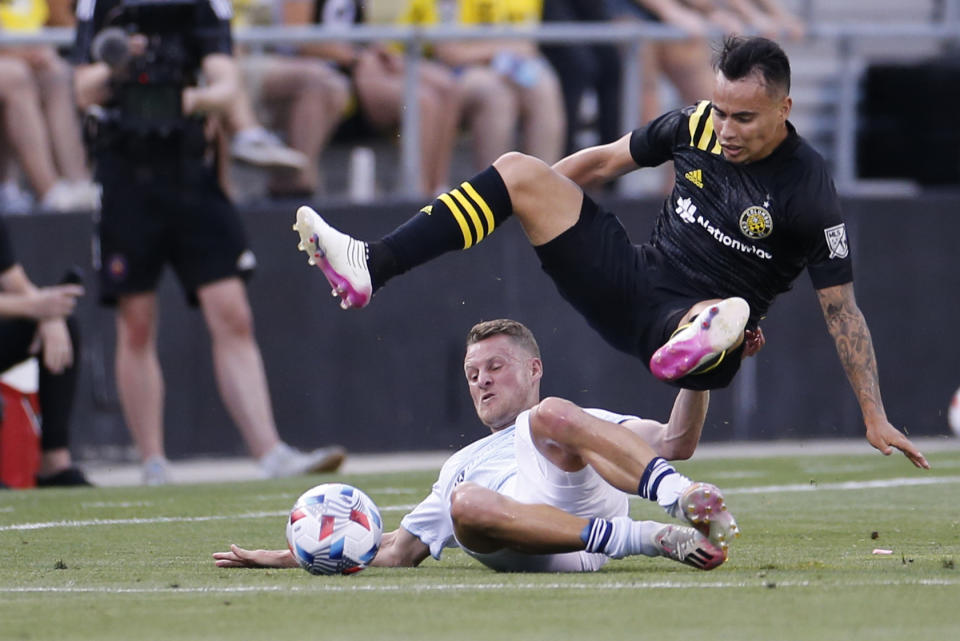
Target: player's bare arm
<point>678,437</point>
<point>594,166</point>
<point>239,557</point>
<point>846,324</point>
<point>400,549</point>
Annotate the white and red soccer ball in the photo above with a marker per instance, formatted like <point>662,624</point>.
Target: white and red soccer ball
<point>334,528</point>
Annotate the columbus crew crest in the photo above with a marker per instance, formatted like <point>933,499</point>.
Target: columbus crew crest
<point>756,223</point>
<point>837,241</point>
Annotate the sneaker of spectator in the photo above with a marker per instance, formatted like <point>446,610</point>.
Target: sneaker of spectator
<point>71,195</point>
<point>14,199</point>
<point>259,147</point>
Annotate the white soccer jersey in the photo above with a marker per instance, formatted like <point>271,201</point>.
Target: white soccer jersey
<point>497,462</point>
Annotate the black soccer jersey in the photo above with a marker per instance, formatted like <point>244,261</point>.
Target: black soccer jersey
<point>744,230</point>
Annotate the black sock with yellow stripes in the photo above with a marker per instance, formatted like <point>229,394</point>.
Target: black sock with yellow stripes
<point>457,219</point>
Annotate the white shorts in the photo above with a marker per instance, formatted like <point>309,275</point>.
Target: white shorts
<point>583,493</point>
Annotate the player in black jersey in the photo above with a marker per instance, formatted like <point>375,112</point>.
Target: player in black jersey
<point>753,205</point>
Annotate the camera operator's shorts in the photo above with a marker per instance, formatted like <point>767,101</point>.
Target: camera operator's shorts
<point>165,212</point>
<point>624,291</point>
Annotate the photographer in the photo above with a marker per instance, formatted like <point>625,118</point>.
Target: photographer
<point>139,66</point>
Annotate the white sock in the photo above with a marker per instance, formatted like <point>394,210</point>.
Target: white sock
<point>623,537</point>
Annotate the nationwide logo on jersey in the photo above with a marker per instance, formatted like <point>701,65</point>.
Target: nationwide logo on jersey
<point>756,222</point>
<point>696,177</point>
<point>837,241</point>
<point>686,209</point>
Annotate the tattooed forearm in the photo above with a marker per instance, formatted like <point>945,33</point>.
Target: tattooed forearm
<point>854,345</point>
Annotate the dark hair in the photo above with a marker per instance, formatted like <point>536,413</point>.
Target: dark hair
<point>515,330</point>
<point>741,56</point>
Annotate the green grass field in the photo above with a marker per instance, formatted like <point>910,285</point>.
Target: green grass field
<point>134,563</point>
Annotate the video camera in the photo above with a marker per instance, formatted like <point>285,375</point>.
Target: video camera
<point>148,86</point>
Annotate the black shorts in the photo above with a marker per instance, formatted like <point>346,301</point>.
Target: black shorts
<point>165,211</point>
<point>624,291</point>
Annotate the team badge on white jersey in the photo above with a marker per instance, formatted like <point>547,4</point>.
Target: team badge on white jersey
<point>837,241</point>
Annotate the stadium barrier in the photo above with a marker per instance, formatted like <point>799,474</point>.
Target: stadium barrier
<point>390,377</point>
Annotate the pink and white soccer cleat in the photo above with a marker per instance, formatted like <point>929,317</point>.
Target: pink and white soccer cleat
<point>687,545</point>
<point>703,507</point>
<point>714,330</point>
<point>341,258</point>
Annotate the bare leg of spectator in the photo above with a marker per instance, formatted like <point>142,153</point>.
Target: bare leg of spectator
<point>56,92</point>
<point>543,122</point>
<point>492,110</point>
<point>24,125</point>
<point>312,97</point>
<point>139,379</point>
<point>237,362</point>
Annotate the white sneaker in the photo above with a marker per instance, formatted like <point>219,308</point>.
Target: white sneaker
<point>283,461</point>
<point>711,333</point>
<point>259,147</point>
<point>14,199</point>
<point>67,196</point>
<point>687,545</point>
<point>341,258</point>
<point>156,471</point>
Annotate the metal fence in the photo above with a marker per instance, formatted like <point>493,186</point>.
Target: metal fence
<point>629,36</point>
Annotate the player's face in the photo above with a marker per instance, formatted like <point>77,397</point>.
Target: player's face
<point>504,380</point>
<point>749,121</point>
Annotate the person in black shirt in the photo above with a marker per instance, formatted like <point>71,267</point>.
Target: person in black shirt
<point>753,205</point>
<point>35,321</point>
<point>162,204</point>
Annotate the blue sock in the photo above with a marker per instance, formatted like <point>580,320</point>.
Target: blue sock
<point>656,471</point>
<point>596,534</point>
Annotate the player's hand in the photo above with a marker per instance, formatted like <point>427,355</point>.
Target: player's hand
<point>753,341</point>
<point>53,339</point>
<point>55,302</point>
<point>885,437</point>
<point>239,557</point>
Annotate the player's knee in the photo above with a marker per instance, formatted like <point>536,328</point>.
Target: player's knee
<point>472,506</point>
<point>552,419</point>
<point>521,170</point>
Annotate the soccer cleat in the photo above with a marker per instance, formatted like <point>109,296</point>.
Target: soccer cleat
<point>341,258</point>
<point>702,506</point>
<point>714,330</point>
<point>156,471</point>
<point>687,545</point>
<point>284,461</point>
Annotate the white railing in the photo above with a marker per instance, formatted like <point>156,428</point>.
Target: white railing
<point>630,36</point>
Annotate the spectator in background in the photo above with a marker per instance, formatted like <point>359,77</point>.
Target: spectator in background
<point>36,321</point>
<point>376,72</point>
<point>507,84</point>
<point>40,125</point>
<point>303,97</point>
<point>163,205</point>
<point>585,66</point>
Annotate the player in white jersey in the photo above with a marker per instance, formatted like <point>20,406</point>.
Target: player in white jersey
<point>548,489</point>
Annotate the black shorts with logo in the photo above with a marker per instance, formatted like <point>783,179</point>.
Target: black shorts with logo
<point>165,210</point>
<point>624,291</point>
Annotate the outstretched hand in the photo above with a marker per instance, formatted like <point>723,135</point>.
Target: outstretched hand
<point>239,557</point>
<point>885,437</point>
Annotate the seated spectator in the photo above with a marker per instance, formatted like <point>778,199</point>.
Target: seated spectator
<point>36,321</point>
<point>584,66</point>
<point>376,72</point>
<point>302,97</point>
<point>40,125</point>
<point>507,84</point>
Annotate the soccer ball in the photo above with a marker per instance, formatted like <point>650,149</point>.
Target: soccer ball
<point>953,414</point>
<point>334,528</point>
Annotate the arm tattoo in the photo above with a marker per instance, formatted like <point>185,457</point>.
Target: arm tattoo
<point>854,345</point>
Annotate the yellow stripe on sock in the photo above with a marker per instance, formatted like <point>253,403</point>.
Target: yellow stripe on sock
<point>474,216</point>
<point>487,212</point>
<point>458,216</point>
